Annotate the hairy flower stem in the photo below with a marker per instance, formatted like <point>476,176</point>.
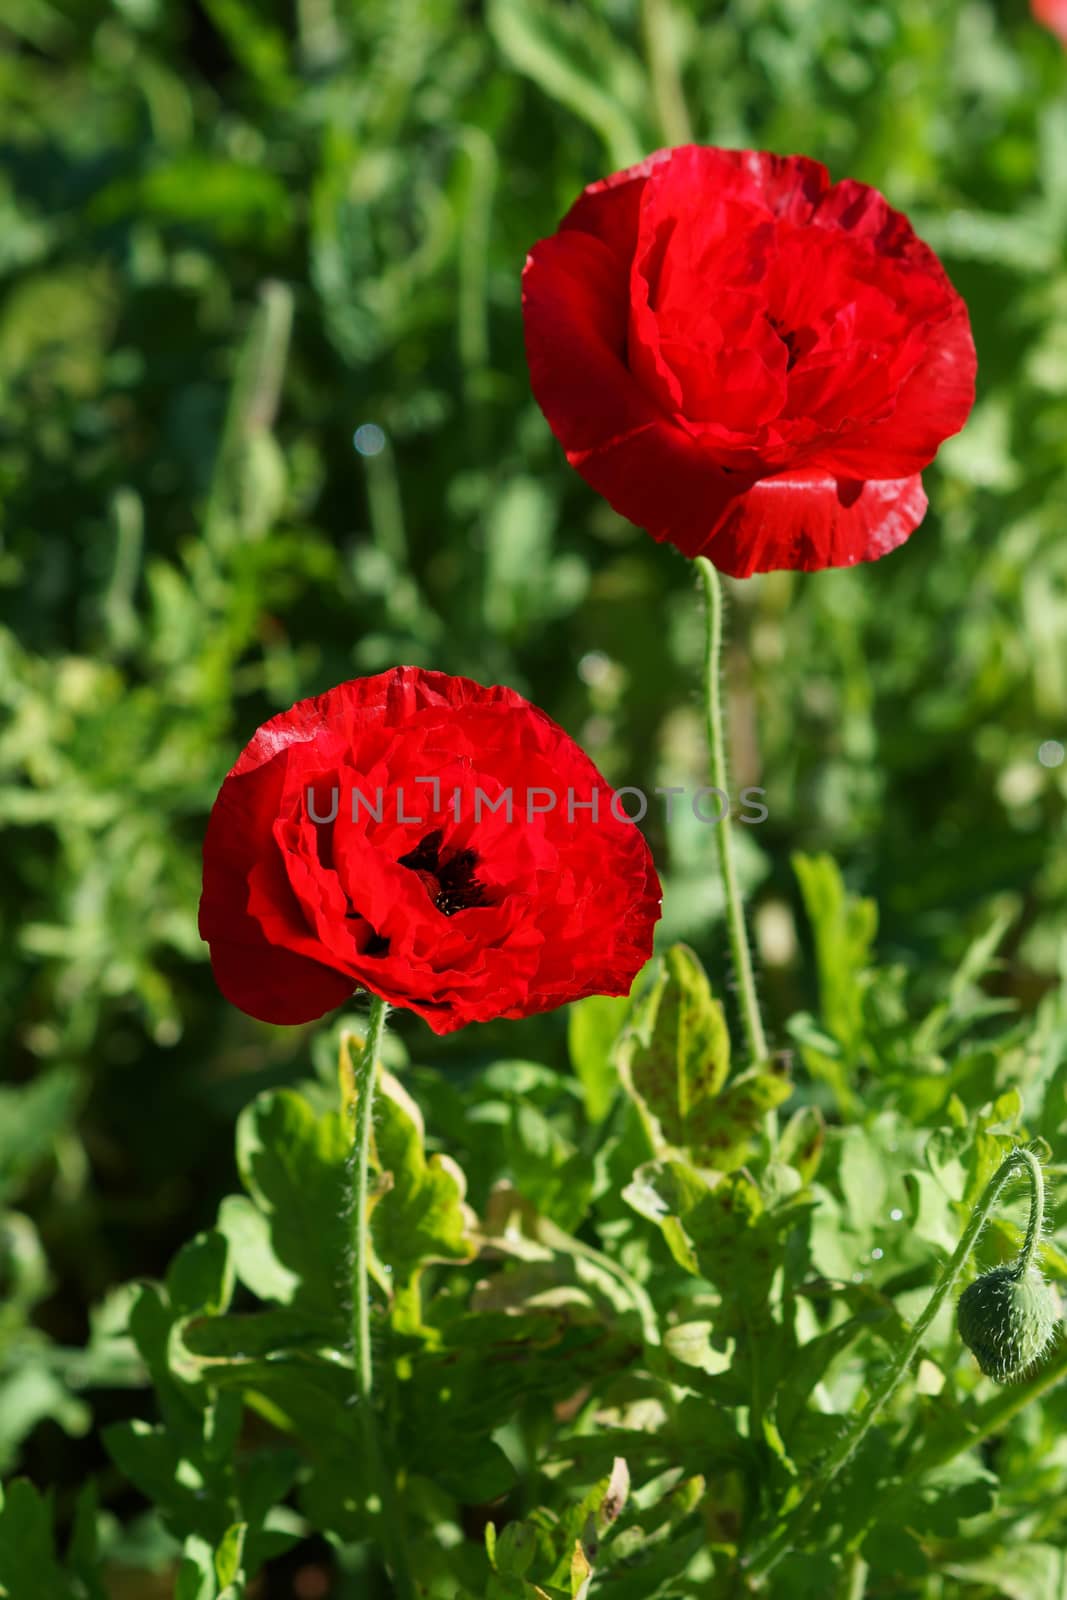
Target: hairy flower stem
<point>735,911</point>
<point>394,1539</point>
<point>770,1551</point>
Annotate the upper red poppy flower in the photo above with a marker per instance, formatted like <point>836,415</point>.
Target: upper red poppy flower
<point>444,845</point>
<point>747,360</point>
<point>1053,14</point>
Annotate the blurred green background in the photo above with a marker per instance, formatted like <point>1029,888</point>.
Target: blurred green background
<point>232,234</point>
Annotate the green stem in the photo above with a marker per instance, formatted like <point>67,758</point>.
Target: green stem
<point>735,911</point>
<point>1037,1214</point>
<point>855,1580</point>
<point>667,90</point>
<point>394,1538</point>
<point>253,404</point>
<point>770,1551</point>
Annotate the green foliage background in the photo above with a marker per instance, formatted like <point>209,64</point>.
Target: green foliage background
<point>230,234</point>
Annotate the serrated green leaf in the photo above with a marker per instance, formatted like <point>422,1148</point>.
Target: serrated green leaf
<point>422,1217</point>
<point>292,1162</point>
<point>248,1231</point>
<point>677,1056</point>
<point>720,1131</point>
<point>736,1243</point>
<point>200,1278</point>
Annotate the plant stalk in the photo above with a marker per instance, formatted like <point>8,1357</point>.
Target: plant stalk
<point>768,1552</point>
<point>735,911</point>
<point>394,1538</point>
<point>661,55</point>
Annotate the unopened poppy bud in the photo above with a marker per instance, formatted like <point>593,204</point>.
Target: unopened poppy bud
<point>1008,1318</point>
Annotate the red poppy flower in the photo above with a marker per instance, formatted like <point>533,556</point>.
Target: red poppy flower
<point>747,360</point>
<point>1053,15</point>
<point>444,845</point>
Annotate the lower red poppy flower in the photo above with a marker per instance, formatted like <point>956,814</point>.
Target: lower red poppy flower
<point>443,845</point>
<point>747,360</point>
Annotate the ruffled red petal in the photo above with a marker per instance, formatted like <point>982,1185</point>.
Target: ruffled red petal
<point>809,520</point>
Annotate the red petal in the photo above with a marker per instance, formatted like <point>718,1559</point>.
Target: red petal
<point>809,520</point>
<point>610,210</point>
<point>575,308</point>
<point>933,403</point>
<point>275,985</point>
<point>271,983</point>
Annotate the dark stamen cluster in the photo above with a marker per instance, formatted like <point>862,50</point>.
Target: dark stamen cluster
<point>458,888</point>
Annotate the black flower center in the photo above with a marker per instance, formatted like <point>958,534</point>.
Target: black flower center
<point>450,882</point>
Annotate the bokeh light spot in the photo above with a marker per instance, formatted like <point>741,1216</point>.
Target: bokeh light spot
<point>369,439</point>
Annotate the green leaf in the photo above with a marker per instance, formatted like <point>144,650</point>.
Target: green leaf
<point>512,1552</point>
<point>735,1240</point>
<point>844,927</point>
<point>422,1217</point>
<point>593,1028</point>
<point>237,199</point>
<point>802,1141</point>
<point>721,1130</point>
<point>200,1278</point>
<point>664,1192</point>
<point>1023,1572</point>
<point>29,1393</point>
<point>581,1572</point>
<point>675,1059</point>
<point>292,1162</point>
<point>220,1350</point>
<point>29,1566</point>
<point>196,1579</point>
<point>863,1179</point>
<point>248,1231</point>
<point>547,1168</point>
<point>691,1343</point>
<point>815,1357</point>
<point>229,1557</point>
<point>964,1001</point>
<point>150,1458</point>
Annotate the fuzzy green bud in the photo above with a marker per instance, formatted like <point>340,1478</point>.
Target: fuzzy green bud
<point>1008,1318</point>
